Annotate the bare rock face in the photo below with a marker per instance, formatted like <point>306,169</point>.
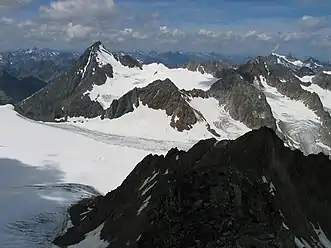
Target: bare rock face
<point>250,192</point>
<point>323,80</point>
<point>243,101</point>
<point>127,60</point>
<point>211,67</point>
<point>159,95</point>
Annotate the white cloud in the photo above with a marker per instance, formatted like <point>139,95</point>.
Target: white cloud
<point>77,31</point>
<point>126,31</point>
<point>264,37</point>
<point>208,33</point>
<point>67,9</point>
<point>139,36</point>
<point>170,32</point>
<point>312,23</point>
<point>26,24</point>
<point>250,33</point>
<point>6,20</point>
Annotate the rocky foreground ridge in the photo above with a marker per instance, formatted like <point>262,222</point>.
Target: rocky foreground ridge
<point>250,192</point>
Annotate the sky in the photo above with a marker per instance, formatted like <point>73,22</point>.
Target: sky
<point>230,27</point>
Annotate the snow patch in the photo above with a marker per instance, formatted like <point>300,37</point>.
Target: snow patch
<point>322,236</point>
<point>144,205</point>
<point>218,118</point>
<point>325,95</point>
<point>92,239</point>
<point>87,64</point>
<point>147,189</point>
<point>305,79</point>
<point>148,180</point>
<point>327,72</point>
<point>298,63</point>
<point>301,243</point>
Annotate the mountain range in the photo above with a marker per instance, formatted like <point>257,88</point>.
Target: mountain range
<point>274,91</point>
<point>44,64</point>
<point>250,168</point>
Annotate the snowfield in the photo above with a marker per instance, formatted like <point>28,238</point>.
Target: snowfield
<point>63,157</point>
<point>80,159</point>
<point>43,168</point>
<point>146,123</point>
<point>294,120</point>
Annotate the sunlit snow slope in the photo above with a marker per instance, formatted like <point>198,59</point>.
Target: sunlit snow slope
<point>299,124</point>
<point>126,78</point>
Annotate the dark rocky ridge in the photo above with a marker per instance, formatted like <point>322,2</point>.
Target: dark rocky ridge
<point>14,90</point>
<point>211,67</point>
<point>323,80</point>
<point>214,195</point>
<point>243,101</point>
<point>64,96</point>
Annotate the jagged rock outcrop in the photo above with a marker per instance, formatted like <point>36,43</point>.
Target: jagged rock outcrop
<point>243,101</point>
<point>13,90</point>
<point>323,80</point>
<point>250,192</point>
<point>66,95</point>
<point>159,95</point>
<point>304,71</point>
<point>127,60</point>
<point>211,67</point>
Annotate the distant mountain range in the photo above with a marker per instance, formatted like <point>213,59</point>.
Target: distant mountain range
<point>13,90</point>
<point>44,64</point>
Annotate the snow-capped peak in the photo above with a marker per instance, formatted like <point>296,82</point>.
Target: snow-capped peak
<point>281,59</point>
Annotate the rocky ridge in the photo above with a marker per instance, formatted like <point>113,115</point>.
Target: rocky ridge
<point>213,67</point>
<point>269,196</point>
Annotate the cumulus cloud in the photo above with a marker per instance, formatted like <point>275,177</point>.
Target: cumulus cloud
<point>77,31</point>
<point>6,20</point>
<point>170,32</point>
<point>208,33</point>
<point>312,23</point>
<point>74,24</point>
<point>68,9</point>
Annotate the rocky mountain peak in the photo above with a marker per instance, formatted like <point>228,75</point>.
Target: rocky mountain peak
<point>246,103</point>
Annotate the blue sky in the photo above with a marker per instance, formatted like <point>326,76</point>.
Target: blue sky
<point>232,27</point>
